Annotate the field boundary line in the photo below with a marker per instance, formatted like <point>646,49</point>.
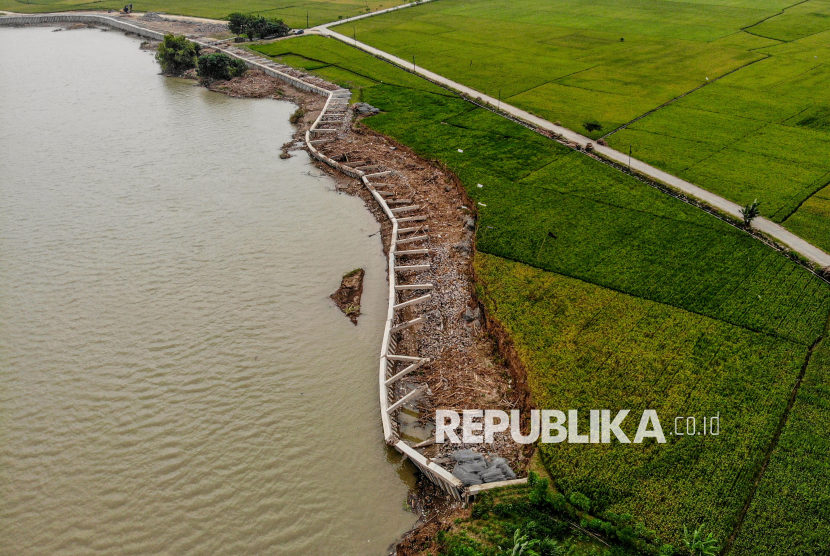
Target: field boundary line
<point>782,12</point>
<point>772,445</point>
<point>669,182</point>
<point>823,182</point>
<point>652,111</point>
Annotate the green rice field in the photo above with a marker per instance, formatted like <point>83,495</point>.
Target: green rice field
<point>761,132</point>
<point>790,513</point>
<point>294,14</point>
<point>616,295</point>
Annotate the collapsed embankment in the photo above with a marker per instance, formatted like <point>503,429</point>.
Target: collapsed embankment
<point>472,364</point>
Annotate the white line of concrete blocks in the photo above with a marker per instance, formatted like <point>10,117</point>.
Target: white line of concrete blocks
<point>334,111</point>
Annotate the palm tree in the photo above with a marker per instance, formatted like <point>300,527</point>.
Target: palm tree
<point>750,212</point>
<point>698,545</point>
<point>520,543</point>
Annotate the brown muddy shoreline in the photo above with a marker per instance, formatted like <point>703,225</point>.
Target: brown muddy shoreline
<point>474,365</point>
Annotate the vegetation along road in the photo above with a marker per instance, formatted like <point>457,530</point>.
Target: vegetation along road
<point>750,119</point>
<point>765,225</point>
<point>616,294</point>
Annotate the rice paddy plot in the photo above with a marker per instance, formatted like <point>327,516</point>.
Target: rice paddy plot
<point>614,294</point>
<point>798,21</point>
<point>762,133</point>
<point>789,513</point>
<point>295,14</point>
<point>603,62</point>
<point>586,347</point>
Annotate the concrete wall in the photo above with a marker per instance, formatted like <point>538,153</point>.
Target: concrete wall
<point>81,18</point>
<point>437,474</point>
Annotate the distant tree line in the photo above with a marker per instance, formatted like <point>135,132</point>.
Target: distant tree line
<point>256,26</point>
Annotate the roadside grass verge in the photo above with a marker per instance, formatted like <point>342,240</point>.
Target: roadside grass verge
<point>624,295</point>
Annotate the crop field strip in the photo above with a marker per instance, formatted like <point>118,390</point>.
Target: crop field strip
<point>565,62</point>
<point>782,158</point>
<point>586,347</point>
<point>790,511</point>
<point>292,12</point>
<point>679,301</point>
<point>532,50</point>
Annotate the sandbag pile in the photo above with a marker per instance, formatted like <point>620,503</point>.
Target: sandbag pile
<point>364,109</point>
<point>472,468</point>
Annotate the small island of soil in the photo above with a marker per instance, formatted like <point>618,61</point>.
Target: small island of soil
<point>347,296</point>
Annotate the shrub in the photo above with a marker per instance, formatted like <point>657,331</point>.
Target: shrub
<point>297,116</point>
<point>237,22</point>
<point>580,501</point>
<point>220,66</point>
<point>592,126</point>
<point>698,545</point>
<point>176,55</point>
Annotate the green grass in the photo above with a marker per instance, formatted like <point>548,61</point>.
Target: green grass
<point>565,60</point>
<point>616,294</point>
<point>762,132</point>
<point>293,13</point>
<point>799,21</point>
<point>545,518</point>
<point>790,513</point>
<point>587,347</point>
<point>810,220</point>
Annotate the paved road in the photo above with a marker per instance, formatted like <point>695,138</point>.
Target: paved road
<point>772,229</point>
<point>355,18</point>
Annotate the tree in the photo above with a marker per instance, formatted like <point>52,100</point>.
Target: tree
<point>176,55</point>
<point>238,22</point>
<point>274,28</point>
<point>750,212</point>
<point>698,545</point>
<point>521,542</point>
<point>592,126</point>
<point>256,26</point>
<point>219,66</point>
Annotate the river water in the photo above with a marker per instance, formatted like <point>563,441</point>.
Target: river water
<point>173,376</point>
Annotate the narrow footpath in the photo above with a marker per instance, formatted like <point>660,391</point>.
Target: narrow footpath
<point>764,225</point>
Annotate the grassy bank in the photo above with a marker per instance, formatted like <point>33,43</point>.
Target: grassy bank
<point>616,295</point>
<point>293,13</point>
<point>761,132</point>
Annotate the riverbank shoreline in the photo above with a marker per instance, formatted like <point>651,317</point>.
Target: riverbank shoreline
<point>472,361</point>
<point>467,368</point>
<point>472,364</point>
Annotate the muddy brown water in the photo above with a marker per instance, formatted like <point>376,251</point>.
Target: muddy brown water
<point>174,378</point>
